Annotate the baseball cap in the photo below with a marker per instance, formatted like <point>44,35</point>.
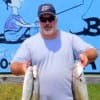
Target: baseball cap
<point>46,8</point>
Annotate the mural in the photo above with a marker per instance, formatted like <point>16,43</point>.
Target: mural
<point>19,21</point>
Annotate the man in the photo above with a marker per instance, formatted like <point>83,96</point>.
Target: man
<point>54,52</point>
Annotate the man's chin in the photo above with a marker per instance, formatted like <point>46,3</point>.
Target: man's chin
<point>48,32</point>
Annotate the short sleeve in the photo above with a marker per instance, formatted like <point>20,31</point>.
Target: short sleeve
<point>79,46</point>
<point>23,53</point>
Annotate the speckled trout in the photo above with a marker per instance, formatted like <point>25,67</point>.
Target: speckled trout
<point>79,85</point>
<point>30,85</point>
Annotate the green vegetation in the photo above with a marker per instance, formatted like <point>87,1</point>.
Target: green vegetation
<point>94,91</point>
<point>10,91</point>
<point>14,91</point>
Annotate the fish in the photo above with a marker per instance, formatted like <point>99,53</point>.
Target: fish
<point>35,95</point>
<point>79,86</point>
<point>30,89</point>
<point>31,84</point>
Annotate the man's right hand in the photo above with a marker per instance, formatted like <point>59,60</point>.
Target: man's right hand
<point>18,68</point>
<point>25,66</point>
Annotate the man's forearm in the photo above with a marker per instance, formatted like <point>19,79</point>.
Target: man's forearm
<point>17,68</point>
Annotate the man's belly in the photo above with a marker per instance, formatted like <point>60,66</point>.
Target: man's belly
<point>55,85</point>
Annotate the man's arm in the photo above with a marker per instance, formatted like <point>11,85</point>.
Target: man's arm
<point>18,68</point>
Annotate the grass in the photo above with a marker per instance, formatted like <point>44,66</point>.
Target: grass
<point>10,91</point>
<point>94,91</point>
<point>13,91</point>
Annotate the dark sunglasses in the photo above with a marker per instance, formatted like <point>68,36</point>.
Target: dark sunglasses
<point>49,19</point>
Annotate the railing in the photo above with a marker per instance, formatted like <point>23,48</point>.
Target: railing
<point>11,79</point>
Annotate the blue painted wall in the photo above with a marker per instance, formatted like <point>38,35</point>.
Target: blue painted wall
<point>81,17</point>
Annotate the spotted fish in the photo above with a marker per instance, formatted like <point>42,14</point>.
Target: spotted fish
<point>30,85</point>
<point>79,85</point>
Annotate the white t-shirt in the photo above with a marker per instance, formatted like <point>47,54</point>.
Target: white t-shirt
<point>55,59</point>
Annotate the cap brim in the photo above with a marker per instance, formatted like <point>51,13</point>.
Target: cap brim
<point>47,13</point>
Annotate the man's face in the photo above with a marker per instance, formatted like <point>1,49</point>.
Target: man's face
<point>47,23</point>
